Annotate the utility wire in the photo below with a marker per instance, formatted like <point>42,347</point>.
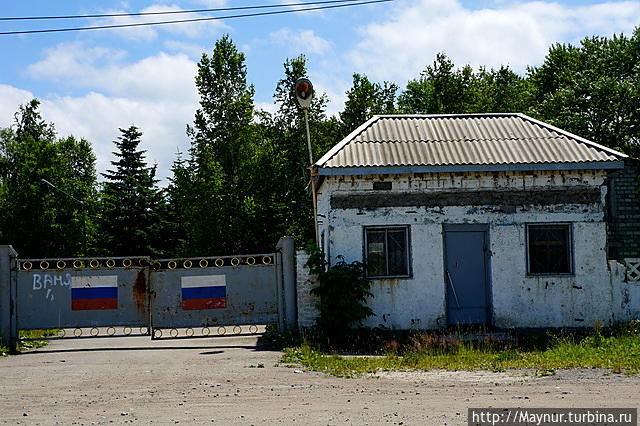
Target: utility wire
<point>169,12</point>
<point>212,18</point>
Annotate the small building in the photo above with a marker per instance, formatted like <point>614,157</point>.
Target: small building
<point>495,219</point>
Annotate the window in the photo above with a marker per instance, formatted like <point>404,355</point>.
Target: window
<point>549,249</point>
<point>382,186</point>
<point>387,251</point>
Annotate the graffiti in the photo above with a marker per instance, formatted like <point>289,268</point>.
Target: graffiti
<point>49,282</point>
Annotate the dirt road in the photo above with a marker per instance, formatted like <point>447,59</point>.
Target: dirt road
<point>194,381</point>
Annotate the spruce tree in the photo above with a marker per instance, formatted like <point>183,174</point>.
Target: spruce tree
<point>130,200</point>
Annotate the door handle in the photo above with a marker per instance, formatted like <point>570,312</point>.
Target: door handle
<point>453,288</point>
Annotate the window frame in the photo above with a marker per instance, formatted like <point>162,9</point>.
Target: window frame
<point>365,249</point>
<point>570,248</point>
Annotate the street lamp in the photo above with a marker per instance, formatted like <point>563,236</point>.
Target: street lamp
<point>304,95</point>
<point>84,213</point>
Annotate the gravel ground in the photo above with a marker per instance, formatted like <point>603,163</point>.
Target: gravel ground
<point>211,380</point>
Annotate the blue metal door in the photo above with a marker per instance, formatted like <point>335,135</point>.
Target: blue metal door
<point>466,274</point>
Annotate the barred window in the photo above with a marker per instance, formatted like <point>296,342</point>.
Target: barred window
<point>549,249</point>
<point>387,251</point>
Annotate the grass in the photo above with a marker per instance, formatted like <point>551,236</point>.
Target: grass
<point>35,340</point>
<point>617,350</point>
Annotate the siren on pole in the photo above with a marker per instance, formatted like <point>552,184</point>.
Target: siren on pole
<point>304,92</point>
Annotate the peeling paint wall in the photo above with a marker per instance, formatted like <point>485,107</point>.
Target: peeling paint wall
<point>305,282</point>
<point>518,300</point>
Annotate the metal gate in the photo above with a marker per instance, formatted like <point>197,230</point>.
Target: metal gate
<point>77,293</point>
<point>214,292</point>
<point>139,293</point>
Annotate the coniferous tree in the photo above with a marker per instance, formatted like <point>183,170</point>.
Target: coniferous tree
<point>130,201</point>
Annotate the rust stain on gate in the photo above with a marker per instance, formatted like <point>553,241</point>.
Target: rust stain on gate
<point>140,291</point>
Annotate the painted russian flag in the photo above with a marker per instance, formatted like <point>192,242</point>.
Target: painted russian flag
<point>94,292</point>
<point>204,292</point>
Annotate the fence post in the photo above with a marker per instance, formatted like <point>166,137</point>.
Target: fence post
<point>8,289</point>
<point>286,247</point>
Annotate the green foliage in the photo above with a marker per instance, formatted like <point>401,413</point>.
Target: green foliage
<point>592,90</point>
<point>245,179</point>
<point>343,290</point>
<point>130,201</point>
<point>38,220</point>
<point>617,351</point>
<point>366,99</point>
<point>212,192</point>
<point>444,89</point>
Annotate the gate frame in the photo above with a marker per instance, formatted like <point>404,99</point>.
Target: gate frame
<point>8,294</point>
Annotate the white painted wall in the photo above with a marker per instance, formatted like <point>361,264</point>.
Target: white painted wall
<point>518,300</point>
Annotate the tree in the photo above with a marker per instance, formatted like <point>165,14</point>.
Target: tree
<point>285,133</point>
<point>129,200</point>
<point>366,99</point>
<point>40,220</point>
<point>592,90</point>
<point>444,89</point>
<point>440,89</point>
<point>209,189</point>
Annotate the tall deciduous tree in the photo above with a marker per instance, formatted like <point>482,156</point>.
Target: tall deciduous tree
<point>38,219</point>
<point>444,89</point>
<point>286,129</point>
<point>366,99</point>
<point>593,90</point>
<point>130,201</point>
<point>209,189</point>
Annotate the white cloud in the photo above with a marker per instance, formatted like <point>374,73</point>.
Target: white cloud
<point>10,99</point>
<point>156,93</point>
<point>513,33</point>
<point>269,107</point>
<point>162,76</point>
<point>97,118</point>
<point>301,41</point>
<point>147,33</point>
<point>194,51</point>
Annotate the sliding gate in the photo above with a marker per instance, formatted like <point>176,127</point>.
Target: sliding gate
<point>83,293</point>
<point>205,296</point>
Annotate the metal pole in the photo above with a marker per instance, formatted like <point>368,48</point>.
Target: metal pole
<point>306,122</point>
<point>313,186</point>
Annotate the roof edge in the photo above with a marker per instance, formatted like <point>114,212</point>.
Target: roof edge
<point>337,147</point>
<point>574,136</point>
<point>393,170</point>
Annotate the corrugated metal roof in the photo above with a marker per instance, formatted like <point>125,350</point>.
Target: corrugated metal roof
<point>452,140</point>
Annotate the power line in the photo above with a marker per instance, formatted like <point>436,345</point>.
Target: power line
<point>212,18</point>
<point>169,12</point>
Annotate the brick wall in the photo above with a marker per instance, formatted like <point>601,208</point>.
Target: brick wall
<point>623,215</point>
<point>307,312</point>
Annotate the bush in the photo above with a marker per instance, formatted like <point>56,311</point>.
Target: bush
<point>343,290</point>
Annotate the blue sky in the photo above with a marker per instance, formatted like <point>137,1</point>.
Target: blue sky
<point>92,82</point>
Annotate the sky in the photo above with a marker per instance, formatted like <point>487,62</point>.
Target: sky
<point>91,83</point>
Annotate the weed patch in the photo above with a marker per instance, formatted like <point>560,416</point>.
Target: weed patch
<point>617,350</point>
<point>34,339</point>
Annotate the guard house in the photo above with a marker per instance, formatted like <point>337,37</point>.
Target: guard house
<point>495,219</point>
